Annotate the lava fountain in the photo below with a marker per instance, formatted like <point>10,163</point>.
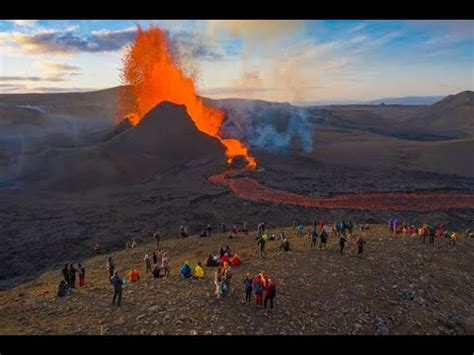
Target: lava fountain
<point>152,71</point>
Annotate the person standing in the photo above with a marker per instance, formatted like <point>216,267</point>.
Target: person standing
<point>208,230</point>
<point>258,287</point>
<point>245,228</point>
<point>82,275</point>
<point>248,288</point>
<point>72,276</point>
<point>65,273</point>
<point>453,238</point>
<point>342,242</point>
<point>97,248</point>
<point>110,267</point>
<point>218,283</point>
<point>360,245</point>
<point>314,238</point>
<point>165,264</point>
<point>117,282</point>
<point>261,246</point>
<point>270,292</point>
<point>157,237</point>
<point>155,258</point>
<point>324,238</point>
<point>147,261</point>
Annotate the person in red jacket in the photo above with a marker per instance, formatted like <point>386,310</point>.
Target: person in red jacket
<point>225,258</point>
<point>270,292</point>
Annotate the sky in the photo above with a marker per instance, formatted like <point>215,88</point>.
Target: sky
<point>277,60</point>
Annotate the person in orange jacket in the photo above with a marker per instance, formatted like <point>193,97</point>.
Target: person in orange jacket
<point>133,276</point>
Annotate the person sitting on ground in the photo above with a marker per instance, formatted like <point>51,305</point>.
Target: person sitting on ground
<point>285,245</point>
<point>282,235</point>
<point>211,261</point>
<point>133,275</point>
<point>235,260</point>
<point>185,270</point>
<point>198,271</point>
<point>63,289</point>
<point>128,245</point>
<point>203,234</point>
<point>156,271</point>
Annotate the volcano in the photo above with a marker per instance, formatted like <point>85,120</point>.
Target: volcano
<point>165,139</point>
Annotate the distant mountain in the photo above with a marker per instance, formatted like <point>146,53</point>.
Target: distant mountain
<point>407,100</point>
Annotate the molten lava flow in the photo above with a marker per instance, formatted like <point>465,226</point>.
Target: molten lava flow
<point>152,71</point>
<point>249,189</point>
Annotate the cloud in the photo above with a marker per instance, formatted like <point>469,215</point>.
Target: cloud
<point>357,28</point>
<point>254,29</point>
<point>49,89</point>
<point>231,90</point>
<point>57,70</point>
<point>58,42</point>
<point>195,45</point>
<point>358,39</point>
<point>29,78</point>
<point>26,23</point>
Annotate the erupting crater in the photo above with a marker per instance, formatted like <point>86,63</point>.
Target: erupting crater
<point>152,71</point>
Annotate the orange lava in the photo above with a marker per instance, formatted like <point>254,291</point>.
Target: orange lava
<point>250,189</point>
<point>151,69</point>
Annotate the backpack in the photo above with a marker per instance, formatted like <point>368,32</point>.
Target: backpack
<point>258,287</point>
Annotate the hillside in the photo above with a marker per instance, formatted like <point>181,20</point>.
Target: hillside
<point>396,287</point>
<point>166,138</point>
<point>452,116</point>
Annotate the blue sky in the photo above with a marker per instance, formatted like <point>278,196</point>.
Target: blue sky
<point>274,60</point>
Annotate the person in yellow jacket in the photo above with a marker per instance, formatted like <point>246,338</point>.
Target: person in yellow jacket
<point>198,271</point>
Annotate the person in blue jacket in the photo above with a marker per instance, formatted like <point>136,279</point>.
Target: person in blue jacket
<point>185,270</point>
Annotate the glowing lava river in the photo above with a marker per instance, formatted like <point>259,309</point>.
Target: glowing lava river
<point>250,189</point>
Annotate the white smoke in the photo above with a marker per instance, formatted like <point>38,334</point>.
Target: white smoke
<point>268,126</point>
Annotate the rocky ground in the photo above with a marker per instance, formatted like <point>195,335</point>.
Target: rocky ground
<point>397,287</point>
